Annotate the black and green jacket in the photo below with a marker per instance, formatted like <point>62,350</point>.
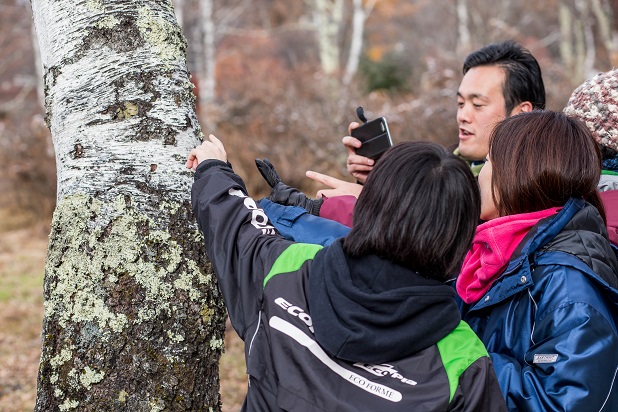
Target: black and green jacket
<point>324,332</point>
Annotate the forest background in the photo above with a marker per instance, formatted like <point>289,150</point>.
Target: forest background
<point>279,79</point>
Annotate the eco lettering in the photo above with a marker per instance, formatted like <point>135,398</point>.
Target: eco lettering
<point>380,390</point>
<point>258,217</point>
<point>295,311</point>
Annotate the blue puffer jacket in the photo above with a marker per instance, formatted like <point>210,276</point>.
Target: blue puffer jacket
<point>550,322</point>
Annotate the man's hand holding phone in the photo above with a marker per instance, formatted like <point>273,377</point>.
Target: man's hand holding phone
<point>357,165</point>
<point>366,144</point>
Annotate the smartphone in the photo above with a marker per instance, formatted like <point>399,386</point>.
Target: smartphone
<point>375,137</point>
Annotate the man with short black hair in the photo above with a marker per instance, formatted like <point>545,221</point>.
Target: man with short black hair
<point>500,80</point>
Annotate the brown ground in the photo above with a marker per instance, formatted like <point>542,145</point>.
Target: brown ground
<point>22,261</point>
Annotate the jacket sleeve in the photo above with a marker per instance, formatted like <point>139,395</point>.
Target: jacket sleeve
<point>294,223</point>
<point>610,201</point>
<point>339,209</point>
<point>241,243</point>
<point>572,359</point>
<point>480,389</point>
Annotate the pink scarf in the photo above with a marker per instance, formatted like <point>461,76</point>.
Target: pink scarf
<point>492,247</point>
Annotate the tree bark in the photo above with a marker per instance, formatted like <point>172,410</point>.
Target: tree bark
<point>603,14</point>
<point>133,318</point>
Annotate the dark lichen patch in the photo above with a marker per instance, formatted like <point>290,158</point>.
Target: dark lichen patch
<point>128,201</point>
<point>50,76</point>
<point>49,81</point>
<point>177,231</point>
<point>123,110</point>
<point>155,129</point>
<point>78,151</point>
<point>125,294</point>
<point>144,80</point>
<point>105,232</point>
<point>169,140</point>
<point>123,37</point>
<point>127,171</point>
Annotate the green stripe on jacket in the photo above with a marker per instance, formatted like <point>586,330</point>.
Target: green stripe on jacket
<point>460,349</point>
<point>292,259</point>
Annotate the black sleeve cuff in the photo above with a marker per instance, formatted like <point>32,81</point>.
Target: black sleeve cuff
<point>210,163</point>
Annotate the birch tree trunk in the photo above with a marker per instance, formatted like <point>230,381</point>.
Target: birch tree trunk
<point>133,319</point>
<point>359,17</point>
<point>572,43</point>
<point>464,41</point>
<point>603,13</point>
<point>207,80</point>
<point>328,18</point>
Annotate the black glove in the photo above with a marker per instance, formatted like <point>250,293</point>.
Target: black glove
<point>284,194</point>
<point>268,171</point>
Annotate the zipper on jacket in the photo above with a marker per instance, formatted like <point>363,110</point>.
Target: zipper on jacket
<point>534,316</point>
<point>259,323</point>
<point>611,387</point>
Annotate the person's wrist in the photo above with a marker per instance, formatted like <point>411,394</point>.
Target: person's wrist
<point>316,206</point>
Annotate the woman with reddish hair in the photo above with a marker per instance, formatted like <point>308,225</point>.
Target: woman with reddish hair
<point>539,283</point>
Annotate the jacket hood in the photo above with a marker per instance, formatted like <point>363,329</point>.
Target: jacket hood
<point>579,230</point>
<point>372,310</point>
<point>585,236</point>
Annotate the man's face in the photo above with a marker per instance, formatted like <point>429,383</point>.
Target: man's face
<point>480,106</point>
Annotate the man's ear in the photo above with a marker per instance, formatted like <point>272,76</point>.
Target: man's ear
<point>522,107</point>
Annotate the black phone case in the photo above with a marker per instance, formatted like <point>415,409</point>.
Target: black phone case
<point>375,137</point>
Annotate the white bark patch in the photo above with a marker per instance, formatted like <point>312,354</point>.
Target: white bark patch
<point>106,102</point>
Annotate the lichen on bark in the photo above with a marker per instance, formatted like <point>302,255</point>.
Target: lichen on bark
<point>114,279</point>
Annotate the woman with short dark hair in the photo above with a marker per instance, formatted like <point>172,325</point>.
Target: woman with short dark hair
<point>366,323</point>
<point>417,212</point>
<point>539,283</point>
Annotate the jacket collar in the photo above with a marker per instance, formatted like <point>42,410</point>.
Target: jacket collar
<point>541,237</point>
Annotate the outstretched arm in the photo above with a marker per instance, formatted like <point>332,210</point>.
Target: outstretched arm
<point>338,187</point>
<point>240,241</point>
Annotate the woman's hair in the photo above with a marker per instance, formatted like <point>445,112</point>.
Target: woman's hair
<point>540,160</point>
<point>419,208</point>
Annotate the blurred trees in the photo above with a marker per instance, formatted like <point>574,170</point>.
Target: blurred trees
<point>27,176</point>
<point>587,36</point>
<point>272,82</point>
